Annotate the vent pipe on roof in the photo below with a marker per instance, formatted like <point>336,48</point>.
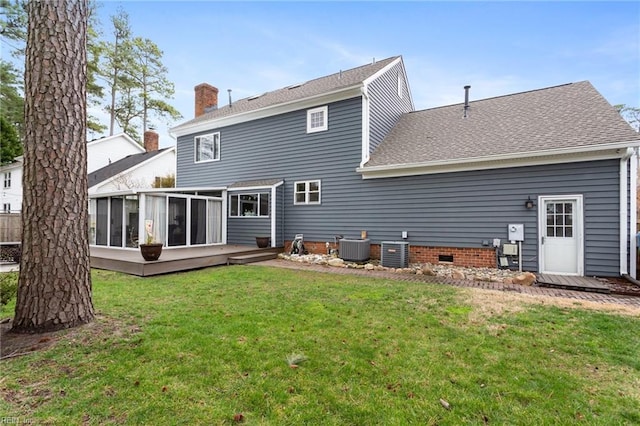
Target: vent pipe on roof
<point>229,90</point>
<point>340,76</point>
<point>466,101</point>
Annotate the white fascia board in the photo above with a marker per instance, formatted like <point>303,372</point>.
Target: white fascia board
<point>119,135</point>
<point>381,71</point>
<point>155,191</point>
<point>252,188</point>
<point>535,158</point>
<point>216,123</point>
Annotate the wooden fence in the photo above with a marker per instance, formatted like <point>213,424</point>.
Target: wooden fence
<point>10,228</point>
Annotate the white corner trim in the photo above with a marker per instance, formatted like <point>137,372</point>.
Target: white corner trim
<point>624,255</point>
<point>365,126</point>
<point>634,214</point>
<point>273,213</point>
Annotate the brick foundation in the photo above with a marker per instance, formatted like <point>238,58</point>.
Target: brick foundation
<point>466,257</point>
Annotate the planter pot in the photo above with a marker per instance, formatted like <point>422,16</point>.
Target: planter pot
<point>263,242</point>
<point>150,251</point>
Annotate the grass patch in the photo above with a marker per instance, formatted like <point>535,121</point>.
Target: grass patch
<point>216,346</point>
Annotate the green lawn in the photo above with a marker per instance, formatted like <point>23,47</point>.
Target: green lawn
<point>206,346</point>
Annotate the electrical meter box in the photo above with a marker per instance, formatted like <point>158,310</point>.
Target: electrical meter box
<point>516,232</point>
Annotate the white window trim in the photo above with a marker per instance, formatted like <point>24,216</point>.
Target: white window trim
<point>306,193</point>
<point>259,196</point>
<point>216,141</point>
<point>400,86</point>
<point>325,126</point>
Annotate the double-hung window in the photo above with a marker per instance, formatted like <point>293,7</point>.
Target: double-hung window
<point>249,205</point>
<point>207,147</point>
<point>317,119</point>
<point>307,192</point>
<point>7,180</point>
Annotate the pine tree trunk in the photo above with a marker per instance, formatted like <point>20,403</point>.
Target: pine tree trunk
<point>54,288</point>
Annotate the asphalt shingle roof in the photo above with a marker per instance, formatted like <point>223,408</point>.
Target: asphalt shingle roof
<point>567,116</point>
<point>117,167</point>
<point>318,86</point>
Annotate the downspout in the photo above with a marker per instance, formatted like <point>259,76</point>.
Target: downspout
<point>365,126</point>
<point>274,210</point>
<point>624,254</point>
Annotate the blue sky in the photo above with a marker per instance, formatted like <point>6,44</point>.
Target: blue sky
<point>496,47</point>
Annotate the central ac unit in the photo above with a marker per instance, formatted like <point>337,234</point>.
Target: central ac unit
<point>354,250</point>
<point>394,254</point>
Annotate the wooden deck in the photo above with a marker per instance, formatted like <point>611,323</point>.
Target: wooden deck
<point>570,282</point>
<point>130,261</point>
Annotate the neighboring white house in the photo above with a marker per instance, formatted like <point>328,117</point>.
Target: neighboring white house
<point>11,175</point>
<point>104,151</point>
<point>113,163</point>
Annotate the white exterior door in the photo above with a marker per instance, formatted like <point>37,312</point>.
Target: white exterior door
<point>561,247</point>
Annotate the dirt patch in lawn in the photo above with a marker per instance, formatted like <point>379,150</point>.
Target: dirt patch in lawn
<point>489,303</point>
<point>17,344</point>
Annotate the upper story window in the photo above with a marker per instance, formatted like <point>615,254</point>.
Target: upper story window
<point>307,192</point>
<point>207,147</point>
<point>317,119</point>
<point>400,86</point>
<point>249,205</point>
<point>7,180</point>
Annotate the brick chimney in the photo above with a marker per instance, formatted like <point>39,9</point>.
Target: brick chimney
<point>150,141</point>
<point>206,98</point>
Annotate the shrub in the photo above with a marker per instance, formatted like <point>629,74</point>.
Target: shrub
<point>8,287</point>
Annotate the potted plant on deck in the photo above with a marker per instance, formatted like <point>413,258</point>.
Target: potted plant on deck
<point>151,250</point>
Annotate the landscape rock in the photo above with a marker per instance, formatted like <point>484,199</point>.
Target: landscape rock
<point>526,278</point>
<point>336,261</point>
<point>458,275</point>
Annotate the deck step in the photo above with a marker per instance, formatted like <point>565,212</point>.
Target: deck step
<point>572,283</point>
<point>251,258</point>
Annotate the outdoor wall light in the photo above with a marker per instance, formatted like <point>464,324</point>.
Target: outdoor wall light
<point>529,203</point>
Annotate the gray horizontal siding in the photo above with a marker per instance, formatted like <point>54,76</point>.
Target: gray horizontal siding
<point>244,230</point>
<point>386,106</point>
<point>448,210</point>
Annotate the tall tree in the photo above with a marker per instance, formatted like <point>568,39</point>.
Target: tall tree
<point>631,114</point>
<point>10,146</point>
<point>54,286</point>
<point>13,25</point>
<point>117,56</point>
<point>11,100</point>
<point>150,76</point>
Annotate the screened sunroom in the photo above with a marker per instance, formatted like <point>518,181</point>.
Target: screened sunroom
<point>175,218</point>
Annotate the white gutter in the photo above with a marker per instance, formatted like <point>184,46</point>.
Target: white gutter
<point>624,255</point>
<point>606,151</point>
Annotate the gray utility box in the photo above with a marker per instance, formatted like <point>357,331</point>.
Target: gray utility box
<point>354,250</point>
<point>394,254</point>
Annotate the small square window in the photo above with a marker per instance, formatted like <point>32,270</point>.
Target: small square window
<point>307,192</point>
<point>207,148</point>
<point>7,180</point>
<point>317,119</point>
